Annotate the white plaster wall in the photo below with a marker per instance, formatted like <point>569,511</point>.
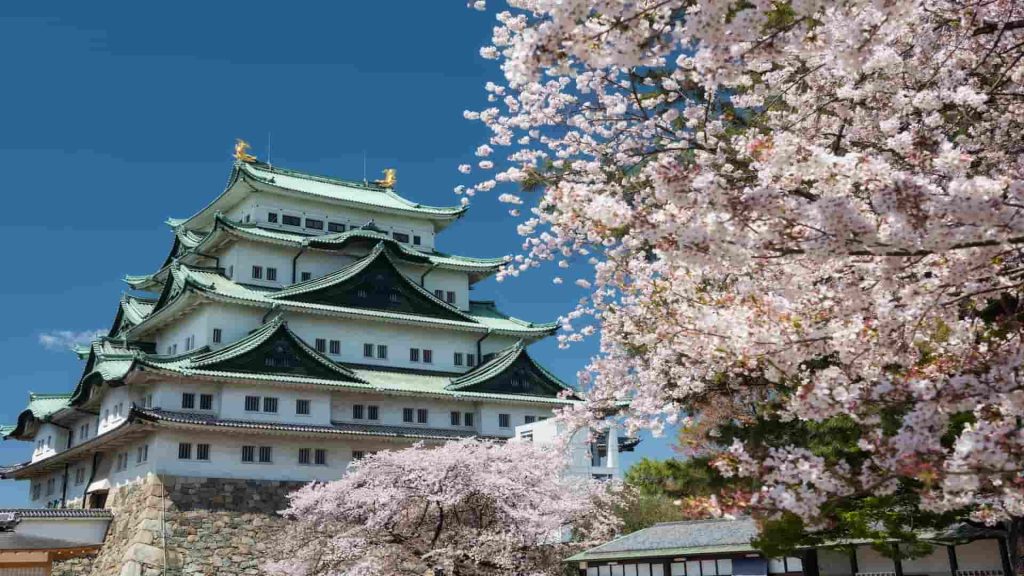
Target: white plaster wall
<point>226,456</point>
<point>443,279</point>
<point>834,562</point>
<point>53,439</point>
<point>320,263</point>
<point>235,323</point>
<point>168,395</point>
<point>488,425</point>
<point>87,530</point>
<point>232,405</point>
<point>192,324</point>
<point>108,419</point>
<point>239,258</point>
<point>935,563</point>
<point>136,471</point>
<point>76,426</point>
<point>979,555</point>
<point>57,476</point>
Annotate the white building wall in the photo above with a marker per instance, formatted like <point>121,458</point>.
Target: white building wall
<point>176,333</point>
<point>87,530</point>
<point>114,407</point>
<point>49,440</point>
<point>232,405</point>
<point>578,447</point>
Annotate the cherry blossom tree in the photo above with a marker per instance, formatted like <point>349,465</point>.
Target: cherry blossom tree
<point>468,507</point>
<point>799,213</point>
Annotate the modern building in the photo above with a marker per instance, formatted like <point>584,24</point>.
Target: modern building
<point>589,453</point>
<point>723,547</point>
<point>297,323</point>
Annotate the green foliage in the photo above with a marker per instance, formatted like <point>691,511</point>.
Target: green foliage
<point>645,510</point>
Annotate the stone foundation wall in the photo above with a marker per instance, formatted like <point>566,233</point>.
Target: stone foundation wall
<point>188,526</point>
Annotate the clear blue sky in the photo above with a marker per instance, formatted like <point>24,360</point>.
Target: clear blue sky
<point>115,116</point>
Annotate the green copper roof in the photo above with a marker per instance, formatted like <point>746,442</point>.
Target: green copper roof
<point>40,407</point>
<point>245,177</point>
<point>213,285</point>
<point>510,371</point>
<point>131,311</point>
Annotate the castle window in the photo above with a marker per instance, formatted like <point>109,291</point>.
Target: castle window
<point>203,452</point>
<point>248,453</point>
<point>335,347</point>
<point>184,451</point>
<point>416,240</point>
<point>206,401</point>
<point>266,454</point>
<point>218,335</point>
<point>272,217</point>
<point>504,421</point>
<point>257,272</point>
<point>79,476</point>
<point>321,345</point>
<point>36,491</point>
<point>142,454</point>
<point>470,360</point>
<point>373,412</point>
<point>458,359</point>
<point>270,404</point>
<point>421,416</point>
<point>456,418</point>
<point>368,350</point>
<point>361,293</point>
<point>272,274</point>
<point>303,455</point>
<point>252,403</point>
<point>320,457</point>
<point>50,486</point>
<point>358,454</point>
<point>335,227</point>
<point>516,382</point>
<point>530,419</point>
<point>414,354</point>
<point>188,400</point>
<point>399,236</point>
<point>407,414</point>
<point>394,297</point>
<point>450,297</point>
<point>428,356</point>
<point>382,351</point>
<point>314,224</point>
<point>439,294</point>
<point>302,407</point>
<point>306,276</point>
<point>291,220</point>
<point>357,411</point>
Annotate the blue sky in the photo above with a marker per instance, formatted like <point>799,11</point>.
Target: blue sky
<point>115,116</point>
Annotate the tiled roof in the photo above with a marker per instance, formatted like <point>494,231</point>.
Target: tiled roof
<point>481,317</point>
<point>59,512</point>
<point>356,194</point>
<point>678,538</point>
<point>341,428</point>
<point>498,364</point>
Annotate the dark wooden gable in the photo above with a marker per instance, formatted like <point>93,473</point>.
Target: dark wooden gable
<point>278,354</point>
<point>521,377</point>
<point>379,286</point>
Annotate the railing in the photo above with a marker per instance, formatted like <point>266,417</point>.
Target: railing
<point>979,573</point>
<point>876,574</point>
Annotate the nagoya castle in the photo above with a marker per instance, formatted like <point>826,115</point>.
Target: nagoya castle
<point>298,323</point>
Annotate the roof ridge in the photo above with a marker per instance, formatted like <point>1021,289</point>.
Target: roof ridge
<point>49,396</point>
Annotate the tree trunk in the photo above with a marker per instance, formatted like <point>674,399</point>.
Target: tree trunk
<point>1015,545</point>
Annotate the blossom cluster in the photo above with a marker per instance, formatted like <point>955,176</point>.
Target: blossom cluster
<point>813,207</point>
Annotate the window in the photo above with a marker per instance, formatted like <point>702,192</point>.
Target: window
<point>231,271</point>
<point>184,451</point>
<point>272,217</point>
<point>291,220</point>
<point>725,567</point>
<point>266,453</point>
<point>320,457</point>
<point>257,272</point>
<point>335,347</point>
<point>399,236</point>
<point>314,224</point>
<point>416,240</point>
<point>421,416</point>
<point>382,351</point>
<point>357,454</point>
<point>272,274</point>
<point>468,420</point>
<point>83,430</point>
<point>407,414</point>
<point>306,276</point>
<point>373,412</point>
<point>470,360</point>
<point>303,455</point>
<point>147,402</point>
<point>414,354</point>
<point>248,453</point>
<point>450,297</point>
<point>458,359</point>
<point>321,345</point>
<point>302,407</point>
<point>270,405</point>
<point>188,343</point>
<point>428,356</point>
<point>708,568</point>
<point>79,476</point>
<point>368,350</point>
<point>530,419</point>
<point>206,401</point>
<point>49,486</point>
<point>456,418</point>
<point>335,227</point>
<point>142,454</point>
<point>394,297</point>
<point>357,411</point>
<point>504,421</point>
<point>36,489</point>
<point>439,294</point>
<point>188,400</point>
<point>361,293</point>
<point>679,569</point>
<point>252,403</point>
<point>218,335</point>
